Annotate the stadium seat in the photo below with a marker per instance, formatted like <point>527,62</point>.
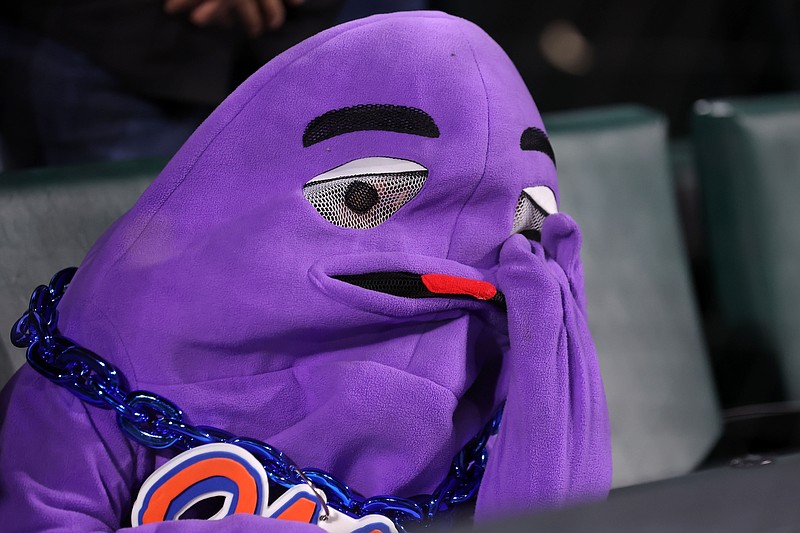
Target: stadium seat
<point>49,218</point>
<point>747,153</point>
<point>615,181</point>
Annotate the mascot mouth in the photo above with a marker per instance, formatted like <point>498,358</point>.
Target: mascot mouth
<point>405,285</point>
<point>411,285</point>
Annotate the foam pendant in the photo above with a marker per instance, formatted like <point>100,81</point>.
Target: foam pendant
<point>230,472</point>
<point>302,504</point>
<point>208,471</point>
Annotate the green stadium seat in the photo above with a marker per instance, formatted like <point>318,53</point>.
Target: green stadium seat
<point>747,153</point>
<point>49,218</point>
<point>615,180</point>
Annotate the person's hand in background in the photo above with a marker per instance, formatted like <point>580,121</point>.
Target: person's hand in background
<point>254,15</point>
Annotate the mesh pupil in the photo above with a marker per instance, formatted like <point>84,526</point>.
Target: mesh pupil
<point>391,191</point>
<point>360,196</point>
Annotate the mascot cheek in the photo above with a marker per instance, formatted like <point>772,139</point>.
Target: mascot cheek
<point>230,472</point>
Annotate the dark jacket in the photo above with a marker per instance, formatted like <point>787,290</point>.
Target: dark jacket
<point>164,56</point>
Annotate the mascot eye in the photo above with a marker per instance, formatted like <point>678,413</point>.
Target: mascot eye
<point>366,192</point>
<point>534,205</point>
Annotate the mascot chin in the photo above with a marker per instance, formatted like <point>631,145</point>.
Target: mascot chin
<point>317,313</point>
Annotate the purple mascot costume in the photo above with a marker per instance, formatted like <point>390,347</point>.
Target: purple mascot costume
<point>357,259</point>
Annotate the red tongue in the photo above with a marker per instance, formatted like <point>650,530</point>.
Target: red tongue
<point>444,284</point>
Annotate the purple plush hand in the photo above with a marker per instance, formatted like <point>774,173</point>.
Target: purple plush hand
<point>554,445</point>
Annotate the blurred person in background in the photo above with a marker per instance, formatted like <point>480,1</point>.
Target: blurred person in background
<point>89,80</point>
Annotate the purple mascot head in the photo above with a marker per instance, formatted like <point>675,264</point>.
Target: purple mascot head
<point>268,282</point>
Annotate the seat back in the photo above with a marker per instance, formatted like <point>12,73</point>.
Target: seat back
<point>49,218</point>
<point>747,153</point>
<point>615,181</point>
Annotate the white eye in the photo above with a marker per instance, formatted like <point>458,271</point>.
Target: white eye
<point>364,193</point>
<point>534,205</point>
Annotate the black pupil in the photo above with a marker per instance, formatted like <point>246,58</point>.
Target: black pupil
<point>360,196</point>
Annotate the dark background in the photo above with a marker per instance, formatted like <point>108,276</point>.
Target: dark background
<point>663,54</point>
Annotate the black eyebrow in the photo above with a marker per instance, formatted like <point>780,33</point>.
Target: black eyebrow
<point>370,117</point>
<point>535,140</point>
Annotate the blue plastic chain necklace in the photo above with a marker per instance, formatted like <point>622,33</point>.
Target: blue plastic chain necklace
<point>155,422</point>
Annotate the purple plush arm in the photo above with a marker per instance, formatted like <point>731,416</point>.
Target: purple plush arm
<point>65,466</point>
<point>554,445</point>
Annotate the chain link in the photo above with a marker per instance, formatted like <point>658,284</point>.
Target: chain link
<point>155,422</point>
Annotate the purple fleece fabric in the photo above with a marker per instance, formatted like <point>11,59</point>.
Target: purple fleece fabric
<point>215,291</point>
